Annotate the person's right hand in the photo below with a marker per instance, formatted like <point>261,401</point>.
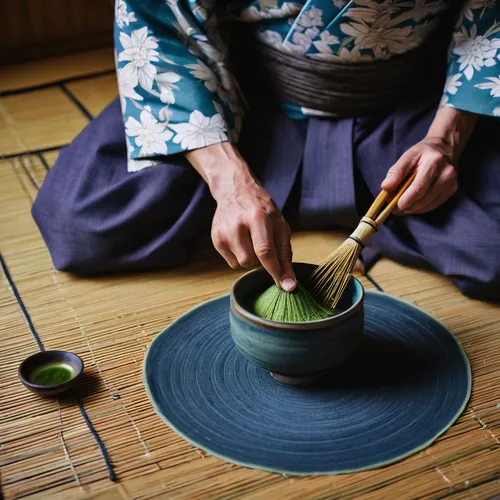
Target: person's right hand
<point>248,229</point>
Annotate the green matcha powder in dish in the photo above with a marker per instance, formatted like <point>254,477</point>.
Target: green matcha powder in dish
<point>52,374</point>
<point>298,306</point>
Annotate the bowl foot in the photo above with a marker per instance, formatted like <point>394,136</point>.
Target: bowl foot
<point>298,380</point>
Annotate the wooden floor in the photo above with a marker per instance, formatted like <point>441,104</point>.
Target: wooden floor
<point>48,450</point>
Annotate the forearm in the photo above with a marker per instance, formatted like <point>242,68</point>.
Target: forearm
<point>452,128</point>
<point>222,167</point>
<point>248,229</point>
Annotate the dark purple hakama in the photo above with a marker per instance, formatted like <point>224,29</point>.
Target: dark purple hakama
<point>96,217</point>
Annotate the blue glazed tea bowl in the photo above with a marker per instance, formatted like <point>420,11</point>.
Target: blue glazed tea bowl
<point>295,353</point>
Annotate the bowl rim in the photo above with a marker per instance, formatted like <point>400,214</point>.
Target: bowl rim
<point>238,310</point>
<point>39,387</point>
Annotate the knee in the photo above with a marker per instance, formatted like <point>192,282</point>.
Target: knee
<point>87,243</point>
<point>72,247</point>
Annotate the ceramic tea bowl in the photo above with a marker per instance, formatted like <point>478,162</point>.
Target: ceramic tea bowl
<point>295,353</point>
<point>32,365</point>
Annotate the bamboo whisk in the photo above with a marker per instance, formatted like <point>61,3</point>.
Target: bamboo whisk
<point>332,276</point>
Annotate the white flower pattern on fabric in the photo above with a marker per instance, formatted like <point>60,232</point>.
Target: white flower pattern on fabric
<point>201,71</point>
<point>311,18</point>
<point>306,30</point>
<point>476,4</point>
<point>123,18</point>
<point>452,84</point>
<point>141,164</point>
<point>344,55</point>
<point>200,131</point>
<point>475,51</point>
<point>302,41</point>
<point>150,135</point>
<point>130,148</point>
<point>326,39</point>
<point>140,50</point>
<point>272,38</point>
<point>177,92</point>
<point>493,84</point>
<point>127,82</point>
<point>253,14</point>
<point>371,12</point>
<point>450,87</point>
<point>166,83</point>
<point>381,40</point>
<point>424,8</point>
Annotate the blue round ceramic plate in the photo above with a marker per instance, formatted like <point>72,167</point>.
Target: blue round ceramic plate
<point>404,387</point>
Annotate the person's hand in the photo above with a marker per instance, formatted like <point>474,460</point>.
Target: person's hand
<point>248,229</point>
<point>435,181</point>
<point>434,160</point>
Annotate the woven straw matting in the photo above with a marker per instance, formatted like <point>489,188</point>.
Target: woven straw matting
<point>47,449</point>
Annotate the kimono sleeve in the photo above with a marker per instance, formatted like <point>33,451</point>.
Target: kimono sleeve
<point>176,94</point>
<point>473,82</point>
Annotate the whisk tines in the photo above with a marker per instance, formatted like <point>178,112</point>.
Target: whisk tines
<point>331,277</point>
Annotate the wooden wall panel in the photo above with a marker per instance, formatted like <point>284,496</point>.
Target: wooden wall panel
<point>30,29</point>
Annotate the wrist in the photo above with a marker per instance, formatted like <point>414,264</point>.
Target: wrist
<point>451,130</point>
<point>222,167</point>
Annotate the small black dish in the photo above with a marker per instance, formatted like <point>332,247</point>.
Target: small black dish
<point>59,363</point>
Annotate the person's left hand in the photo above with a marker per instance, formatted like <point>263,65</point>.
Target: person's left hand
<point>436,179</point>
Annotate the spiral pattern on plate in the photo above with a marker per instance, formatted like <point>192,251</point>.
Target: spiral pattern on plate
<point>404,387</point>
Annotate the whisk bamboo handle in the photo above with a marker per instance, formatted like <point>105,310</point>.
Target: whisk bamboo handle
<point>394,200</point>
<point>370,223</point>
<point>391,196</point>
<point>377,204</point>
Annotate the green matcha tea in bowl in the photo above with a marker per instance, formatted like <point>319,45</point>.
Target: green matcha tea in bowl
<point>291,334</point>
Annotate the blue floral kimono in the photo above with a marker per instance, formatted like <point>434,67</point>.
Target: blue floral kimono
<point>101,209</point>
<point>177,94</point>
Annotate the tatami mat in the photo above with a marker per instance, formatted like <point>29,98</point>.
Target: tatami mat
<point>37,120</point>
<point>48,71</point>
<point>50,157</point>
<point>96,93</point>
<point>48,451</point>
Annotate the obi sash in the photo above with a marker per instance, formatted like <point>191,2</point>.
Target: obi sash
<point>344,89</point>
